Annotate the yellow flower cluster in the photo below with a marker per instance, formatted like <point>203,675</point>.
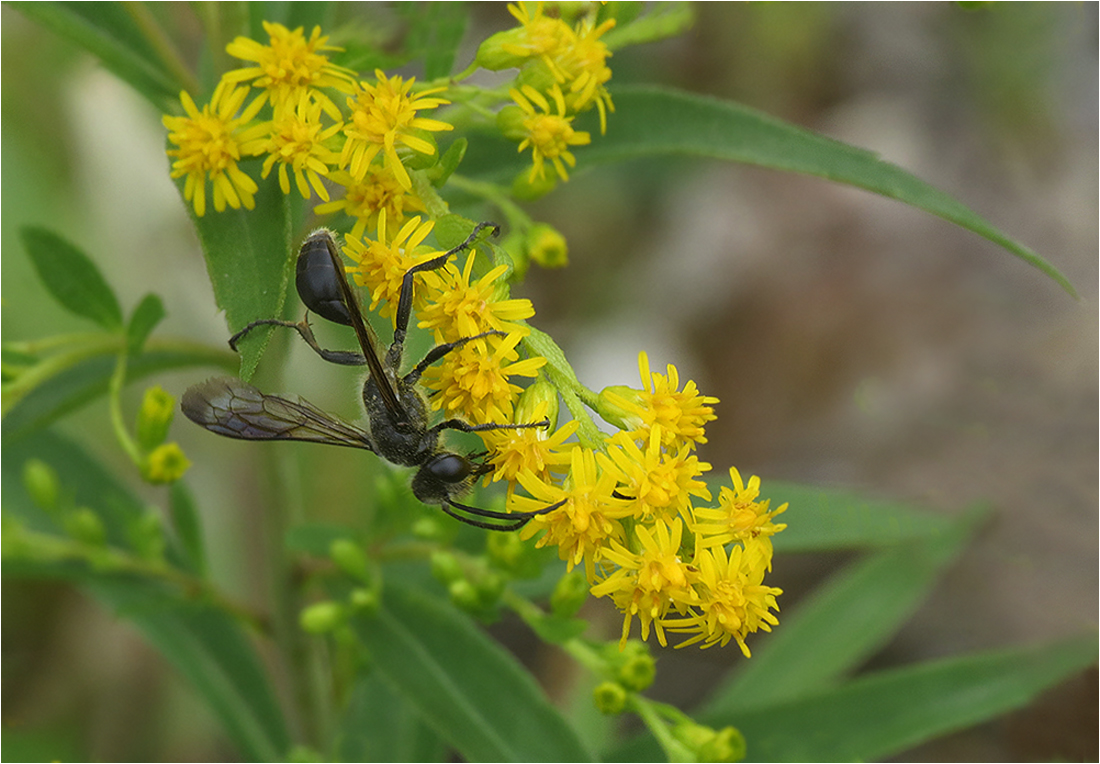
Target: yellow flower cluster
<point>563,72</point>
<point>632,506</point>
<point>630,517</point>
<point>305,133</point>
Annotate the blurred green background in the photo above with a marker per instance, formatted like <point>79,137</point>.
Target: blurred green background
<point>852,341</point>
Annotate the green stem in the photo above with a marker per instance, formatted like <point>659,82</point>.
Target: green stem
<point>114,398</point>
<point>650,713</point>
<point>517,217</point>
<point>97,344</point>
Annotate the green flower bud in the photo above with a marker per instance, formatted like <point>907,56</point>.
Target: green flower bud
<point>536,74</point>
<point>446,568</point>
<point>85,525</point>
<point>322,617</point>
<point>728,744</point>
<point>638,672</point>
<point>492,55</point>
<point>510,121</point>
<point>157,410</point>
<point>364,601</point>
<point>539,400</point>
<point>166,464</point>
<point>415,160</point>
<point>349,558</point>
<point>609,405</point>
<point>490,587</point>
<point>547,247</point>
<point>609,698</point>
<point>464,595</point>
<point>428,528</point>
<point>569,594</point>
<point>40,480</point>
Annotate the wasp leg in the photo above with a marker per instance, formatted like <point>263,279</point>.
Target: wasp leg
<point>441,350</point>
<point>461,426</point>
<point>511,520</point>
<point>404,303</point>
<point>342,357</point>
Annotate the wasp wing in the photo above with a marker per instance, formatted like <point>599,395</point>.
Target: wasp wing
<point>229,407</point>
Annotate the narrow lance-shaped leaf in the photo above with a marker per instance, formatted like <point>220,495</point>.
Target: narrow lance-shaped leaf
<point>465,686</point>
<point>652,120</point>
<point>883,714</point>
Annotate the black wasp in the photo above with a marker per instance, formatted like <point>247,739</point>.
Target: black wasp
<point>396,408</point>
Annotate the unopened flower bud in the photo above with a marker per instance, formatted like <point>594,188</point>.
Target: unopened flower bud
<point>539,401</point>
<point>546,246</point>
<point>85,525</point>
<point>510,121</point>
<point>445,567</point>
<point>569,594</point>
<point>527,189</point>
<point>609,698</point>
<point>157,409</point>
<point>613,406</point>
<point>322,617</point>
<point>40,480</point>
<point>349,558</point>
<point>493,55</point>
<point>364,600</point>
<point>166,464</point>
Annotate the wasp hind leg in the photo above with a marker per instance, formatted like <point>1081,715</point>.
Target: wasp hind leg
<point>510,521</point>
<point>341,357</point>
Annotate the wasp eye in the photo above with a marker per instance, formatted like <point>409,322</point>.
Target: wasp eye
<point>450,468</point>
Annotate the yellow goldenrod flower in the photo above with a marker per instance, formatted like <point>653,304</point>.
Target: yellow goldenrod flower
<point>532,449</point>
<point>539,35</point>
<point>583,527</point>
<point>457,307</point>
<point>380,266</point>
<point>681,413</point>
<point>739,516</point>
<point>377,192</point>
<point>383,116</point>
<point>209,143</point>
<point>733,602</point>
<point>289,67</point>
<point>650,581</point>
<point>583,67</point>
<point>472,381</point>
<point>660,483</point>
<point>549,135</point>
<point>165,464</point>
<point>297,140</point>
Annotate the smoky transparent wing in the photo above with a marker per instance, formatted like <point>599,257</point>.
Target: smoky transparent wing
<point>229,407</point>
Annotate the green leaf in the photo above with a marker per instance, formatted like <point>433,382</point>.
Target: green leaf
<point>74,386</point>
<point>465,686</point>
<point>883,714</point>
<point>210,649</point>
<point>379,724</point>
<point>118,34</point>
<point>146,316</point>
<point>825,519</point>
<point>651,121</point>
<point>249,260</point>
<point>843,622</point>
<point>71,277</point>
